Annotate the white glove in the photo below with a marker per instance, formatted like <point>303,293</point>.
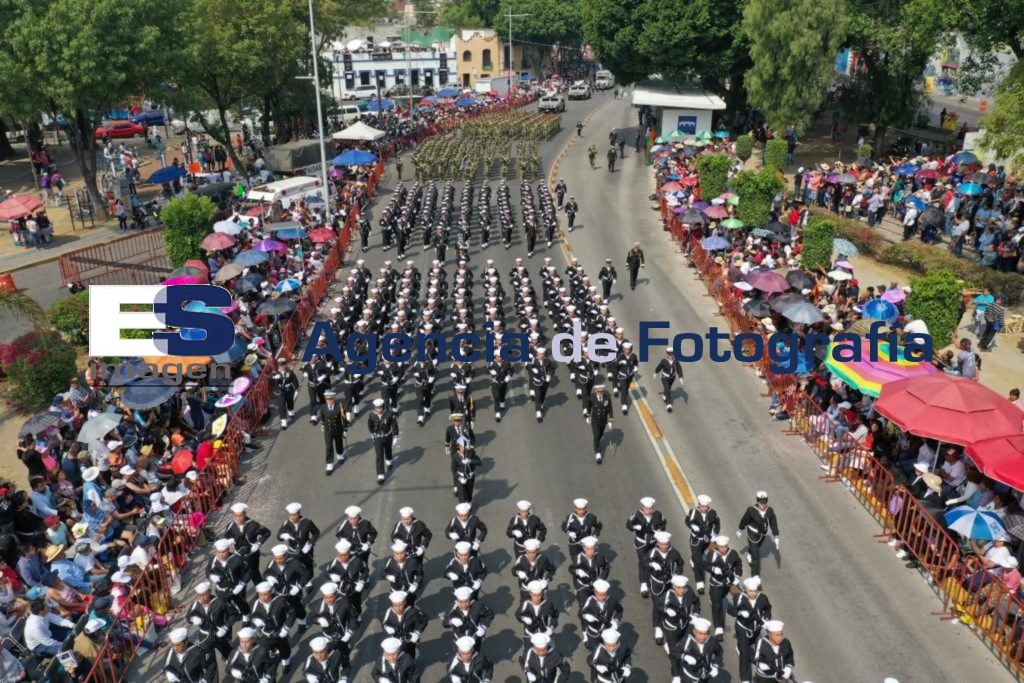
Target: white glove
<point>286,537</point>
<point>669,611</point>
<point>215,578</point>
<point>476,545</point>
<point>383,679</point>
<point>222,631</point>
<point>601,668</point>
<point>238,589</point>
<point>259,622</point>
<point>521,575</point>
<point>714,671</point>
<point>690,659</point>
<point>455,621</point>
<point>776,542</point>
<point>283,633</point>
<point>744,613</point>
<point>454,536</point>
<point>345,638</point>
<point>695,528</point>
<point>787,672</point>
<point>626,670</point>
<point>739,533</point>
<point>527,620</point>
<point>294,590</point>
<point>455,678</point>
<point>390,577</point>
<point>638,527</point>
<point>335,578</point>
<point>453,576</point>
<point>572,535</point>
<point>480,631</point>
<point>390,630</point>
<point>311,678</point>
<point>306,548</point>
<point>582,573</point>
<point>414,637</point>
<point>477,584</point>
<point>764,666</point>
<point>197,621</point>
<point>656,566</point>
<point>589,618</point>
<point>235,673</point>
<point>365,547</point>
<point>530,677</point>
<point>323,622</point>
<point>254,549</point>
<point>517,533</point>
<point>359,586</point>
<point>413,587</point>
<point>420,550</point>
<point>676,679</point>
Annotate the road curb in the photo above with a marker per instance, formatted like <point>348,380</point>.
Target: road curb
<point>50,258</point>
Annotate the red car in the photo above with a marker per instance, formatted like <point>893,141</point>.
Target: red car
<point>121,129</point>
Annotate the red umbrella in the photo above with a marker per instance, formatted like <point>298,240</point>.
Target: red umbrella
<point>671,187</point>
<point>322,235</point>
<point>181,462</point>
<point>254,211</point>
<point>218,240</point>
<point>767,281</point>
<point>1001,459</point>
<point>928,174</point>
<point>715,211</point>
<point>196,263</point>
<point>690,181</point>
<point>950,409</point>
<point>16,207</point>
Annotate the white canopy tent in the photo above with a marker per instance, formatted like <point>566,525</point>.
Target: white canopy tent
<point>359,131</point>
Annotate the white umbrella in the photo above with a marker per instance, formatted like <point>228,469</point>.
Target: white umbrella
<point>839,275</point>
<point>227,227</point>
<point>98,427</point>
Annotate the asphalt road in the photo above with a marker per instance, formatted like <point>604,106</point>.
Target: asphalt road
<point>852,611</point>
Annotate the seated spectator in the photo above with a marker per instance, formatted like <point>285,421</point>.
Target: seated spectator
<point>31,569</point>
<point>67,570</point>
<point>45,631</point>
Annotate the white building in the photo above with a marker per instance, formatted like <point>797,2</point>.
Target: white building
<point>684,109</point>
<point>421,57</point>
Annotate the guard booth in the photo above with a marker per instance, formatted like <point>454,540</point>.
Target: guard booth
<point>687,110</point>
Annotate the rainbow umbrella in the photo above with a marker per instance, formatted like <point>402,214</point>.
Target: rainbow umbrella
<point>867,376</point>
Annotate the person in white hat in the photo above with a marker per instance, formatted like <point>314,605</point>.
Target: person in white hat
<point>317,373</point>
<point>608,277</point>
<point>337,619</point>
<point>757,520</point>
<point>465,526</point>
<point>412,531</point>
<point>464,570</point>
<point>634,262</point>
<point>662,562</point>
<point>350,574</point>
<point>185,662</point>
<point>542,371</point>
<point>455,432</point>
<point>404,621</point>
<point>627,367</point>
<point>698,657</point>
<point>325,664</point>
<point>300,534</point>
<point>273,618</point>
<point>394,664</point>
<point>588,566</point>
<point>752,611</point>
<point>598,613</point>
<point>773,655</point>
<point>541,662</point>
<point>334,426</point>
<point>667,370</point>
<point>424,375</point>
<point>724,568</point>
<point>610,660</point>
<point>465,464</point>
<point>383,426</point>
<point>286,389</point>
<point>213,617</point>
<point>579,524</point>
<point>524,526</point>
<point>597,406</point>
<point>672,615</point>
<point>468,617</point>
<point>469,665</point>
<point>227,572</point>
<point>358,531</point>
<point>250,661</point>
<point>536,613</point>
<point>459,401</point>
<point>248,535</point>
<point>404,573</point>
<point>644,523</point>
<point>531,565</point>
<point>289,575</point>
<point>499,370</point>
<point>704,524</point>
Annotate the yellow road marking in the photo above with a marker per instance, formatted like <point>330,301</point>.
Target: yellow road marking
<point>648,417</point>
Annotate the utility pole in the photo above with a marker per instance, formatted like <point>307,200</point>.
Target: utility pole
<point>408,49</point>
<point>511,48</point>
<point>326,190</point>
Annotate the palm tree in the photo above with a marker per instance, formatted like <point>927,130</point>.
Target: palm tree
<point>18,305</point>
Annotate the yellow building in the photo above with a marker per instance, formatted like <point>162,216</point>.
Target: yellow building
<point>480,53</point>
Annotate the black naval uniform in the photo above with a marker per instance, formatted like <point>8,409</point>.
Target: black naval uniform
<point>757,524</point>
<point>287,389</point>
<point>331,670</point>
<point>464,467</point>
<point>667,371</point>
<point>577,529</point>
<point>610,667</point>
<point>501,373</point>
<point>361,536</point>
<point>417,536</point>
<point>643,529</point>
<point>473,622</point>
<point>407,576</point>
<point>351,579</point>
<point>541,373</point>
<point>317,376</point>
<point>771,665</point>
<point>526,571</point>
<point>289,579</point>
<point>542,618</point>
<point>229,580</point>
<point>254,666</point>
<point>674,614</point>
<point>248,538</point>
<point>570,211</point>
<point>706,658</point>
<point>383,429</point>
<point>751,616</point>
<point>190,666</point>
<point>471,575</point>
<point>585,571</point>
<point>472,531</point>
<point>596,617</point>
<point>214,622</point>
<point>531,527</point>
<point>273,620</point>
<point>634,259</point>
<point>702,528</point>
<point>725,571</point>
<point>477,670</point>
<point>300,539</point>
<point>404,669</point>
<point>334,426</point>
<point>607,276</point>
<point>600,415</point>
<point>407,627</point>
<point>552,669</point>
<point>338,623</point>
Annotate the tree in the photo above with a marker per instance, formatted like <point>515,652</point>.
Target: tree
<point>1003,129</point>
<point>37,365</point>
<point>187,221</point>
<point>612,29</point>
<point>775,152</point>
<point>18,305</point>
<point>744,147</point>
<point>550,22</point>
<point>935,299</point>
<point>81,57</point>
<point>793,45</point>
<point>988,27</point>
<point>756,190</point>
<point>70,318</point>
<point>817,243</point>
<point>713,170</point>
<point>460,14</point>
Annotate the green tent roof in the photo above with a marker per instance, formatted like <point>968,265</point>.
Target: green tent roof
<point>426,37</point>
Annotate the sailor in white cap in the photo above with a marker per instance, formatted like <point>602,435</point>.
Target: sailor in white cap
<point>404,573</point>
<point>248,535</point>
<point>500,371</point>
<point>536,613</point>
<point>413,532</point>
<point>250,661</point>
<point>289,575</point>
<point>300,535</point>
<point>773,655</point>
<point>525,525</point>
<point>186,662</point>
<point>212,616</point>
<point>644,523</point>
<point>338,621</point>
<point>465,464</point>
<point>424,375</point>
<point>469,665</point>
<point>466,526</point>
<point>634,262</point>
<point>661,564</point>
<point>609,660</point>
<point>404,621</point>
<point>627,367</point>
<point>579,524</point>
<point>757,520</point>
<point>464,570</point>
<point>383,428</point>
<point>587,567</point>
<point>542,371</point>
<point>458,430</point>
<point>229,574</point>
<point>752,611</point>
<point>459,401</point>
<point>697,657</point>
<point>673,613</point>
<point>543,663</point>
<point>325,664</point>
<point>334,426</point>
<point>358,531</point>
<point>273,618</point>
<point>395,664</point>
<point>468,616</point>
<point>531,565</point>
<point>704,524</point>
<point>286,389</point>
<point>725,568</point>
<point>667,370</point>
<point>608,277</point>
<point>318,378</point>
<point>600,414</point>
<point>390,376</point>
<point>598,613</point>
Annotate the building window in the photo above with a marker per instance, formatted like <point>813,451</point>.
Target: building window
<point>465,80</point>
<point>364,78</point>
<point>487,59</point>
<point>467,56</point>
<point>414,78</point>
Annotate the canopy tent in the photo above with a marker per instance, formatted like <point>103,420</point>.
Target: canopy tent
<point>292,156</point>
<point>359,131</point>
<point>869,377</point>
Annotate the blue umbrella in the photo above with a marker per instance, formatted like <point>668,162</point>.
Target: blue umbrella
<point>803,312</point>
<point>237,350</point>
<point>975,524</point>
<point>249,283</point>
<point>965,157</point>
<point>802,366</point>
<point>715,242</point>
<point>844,247</point>
<point>721,133</point>
<point>379,105</point>
<point>969,189</point>
<point>916,201</point>
<point>167,174</point>
<point>906,169</point>
<point>447,92</point>
<point>148,393</point>
<point>526,77</point>
<point>354,157</point>
<point>424,107</point>
<point>293,234</point>
<point>878,309</point>
<point>465,102</point>
<point>251,257</point>
<point>288,285</point>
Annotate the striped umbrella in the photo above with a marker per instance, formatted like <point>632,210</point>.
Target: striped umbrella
<point>868,376</point>
<point>975,524</point>
<point>288,285</point>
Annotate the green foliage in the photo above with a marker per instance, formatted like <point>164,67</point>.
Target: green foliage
<point>757,190</point>
<point>865,151</point>
<point>713,170</point>
<point>775,151</point>
<point>1003,129</point>
<point>37,366</point>
<point>187,221</point>
<point>549,22</point>
<point>744,147</point>
<point>460,14</point>
<point>817,243</point>
<point>70,318</point>
<point>935,299</point>
<point>793,44</point>
<point>612,28</point>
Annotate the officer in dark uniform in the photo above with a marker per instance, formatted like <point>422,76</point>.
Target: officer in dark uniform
<point>600,417</point>
<point>667,371</point>
<point>757,521</point>
<point>364,231</point>
<point>607,276</point>
<point>334,426</point>
<point>704,525</point>
<point>634,262</point>
<point>384,430</point>
<point>560,190</point>
<point>287,389</point>
<point>611,159</point>
<point>571,209</point>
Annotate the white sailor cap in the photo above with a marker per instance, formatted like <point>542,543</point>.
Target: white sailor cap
<point>761,495</point>
<point>752,583</point>
<point>397,597</point>
<point>465,643</point>
<point>463,508</point>
<point>601,586</point>
<point>524,505</point>
<point>329,588</point>
<point>531,544</point>
<point>589,542</point>
<point>662,536</point>
<point>647,502</point>
<point>460,387</point>
<point>179,635</point>
<point>722,540</point>
<point>679,580</point>
<point>463,547</point>
<point>279,550</point>
<point>264,587</point>
<point>353,511</point>
<point>580,503</point>
<point>223,544</point>
<point>391,645</point>
<point>774,626</point>
<point>406,512</point>
<point>537,586</point>
<point>319,644</point>
<point>703,500</point>
<point>343,546</point>
<point>293,508</point>
<point>239,508</point>
<point>463,593</point>
<point>246,633</point>
<point>610,636</point>
<point>539,640</point>
<point>202,587</point>
<point>701,624</point>
<point>541,349</point>
<point>399,547</point>
<point>378,402</point>
<point>599,387</point>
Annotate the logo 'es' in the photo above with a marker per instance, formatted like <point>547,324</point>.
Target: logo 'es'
<point>201,329</point>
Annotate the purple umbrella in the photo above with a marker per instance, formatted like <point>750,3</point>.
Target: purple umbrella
<point>894,296</point>
<point>700,206</point>
<point>767,281</point>
<point>270,245</point>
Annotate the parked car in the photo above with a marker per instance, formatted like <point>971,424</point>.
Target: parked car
<point>193,123</point>
<point>553,102</point>
<point>150,117</point>
<point>579,91</point>
<point>121,129</point>
<point>360,92</point>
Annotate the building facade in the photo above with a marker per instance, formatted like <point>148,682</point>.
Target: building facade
<point>423,58</point>
<point>480,53</point>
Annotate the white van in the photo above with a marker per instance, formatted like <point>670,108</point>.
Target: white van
<point>289,188</point>
<point>349,112</point>
<point>603,80</point>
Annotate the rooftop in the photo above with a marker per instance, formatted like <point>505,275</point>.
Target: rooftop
<point>657,93</point>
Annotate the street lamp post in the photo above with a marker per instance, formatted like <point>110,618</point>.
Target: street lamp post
<point>326,191</point>
<point>511,47</point>
<point>408,50</point>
